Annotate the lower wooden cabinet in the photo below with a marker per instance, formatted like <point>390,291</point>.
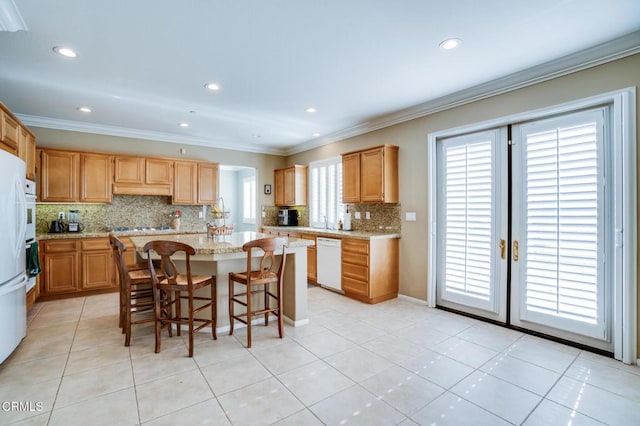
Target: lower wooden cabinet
<point>370,269</point>
<point>312,259</point>
<point>76,266</point>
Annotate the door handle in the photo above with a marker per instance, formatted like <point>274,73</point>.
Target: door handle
<point>503,249</point>
<point>515,250</point>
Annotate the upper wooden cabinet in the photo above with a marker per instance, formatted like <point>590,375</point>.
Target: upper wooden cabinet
<point>68,176</point>
<point>185,175</point>
<point>291,186</point>
<point>207,183</point>
<point>18,140</point>
<point>27,151</point>
<point>371,175</point>
<point>9,132</point>
<point>142,176</point>
<point>195,183</point>
<point>95,178</point>
<point>59,176</point>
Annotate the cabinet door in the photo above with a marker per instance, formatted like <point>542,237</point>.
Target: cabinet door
<point>207,183</point>
<point>60,266</point>
<point>184,182</point>
<point>279,187</point>
<point>129,170</point>
<point>95,170</point>
<point>31,156</point>
<point>351,178</point>
<point>290,186</point>
<point>372,175</point>
<point>96,264</point>
<point>60,173</point>
<point>60,272</point>
<point>97,270</point>
<point>10,133</point>
<point>158,172</point>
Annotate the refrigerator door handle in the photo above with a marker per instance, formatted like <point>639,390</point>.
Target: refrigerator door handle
<point>13,286</point>
<point>21,215</point>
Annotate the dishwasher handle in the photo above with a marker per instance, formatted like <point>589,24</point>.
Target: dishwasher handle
<point>331,242</point>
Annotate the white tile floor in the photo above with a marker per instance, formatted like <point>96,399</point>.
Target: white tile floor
<point>392,363</point>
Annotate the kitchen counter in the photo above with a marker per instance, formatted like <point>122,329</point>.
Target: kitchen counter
<point>333,233</point>
<point>219,257</point>
<point>208,246</point>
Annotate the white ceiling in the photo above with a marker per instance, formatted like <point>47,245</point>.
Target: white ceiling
<point>142,64</point>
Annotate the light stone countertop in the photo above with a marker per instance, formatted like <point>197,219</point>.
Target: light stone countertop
<point>222,245</point>
<point>329,233</point>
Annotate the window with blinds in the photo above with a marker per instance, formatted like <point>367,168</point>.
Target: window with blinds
<point>325,189</point>
<point>563,218</point>
<point>249,199</point>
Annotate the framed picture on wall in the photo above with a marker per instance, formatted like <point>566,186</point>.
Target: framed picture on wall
<point>267,189</point>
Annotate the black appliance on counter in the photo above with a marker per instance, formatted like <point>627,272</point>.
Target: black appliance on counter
<point>287,217</point>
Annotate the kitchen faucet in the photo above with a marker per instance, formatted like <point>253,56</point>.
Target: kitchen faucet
<point>326,223</point>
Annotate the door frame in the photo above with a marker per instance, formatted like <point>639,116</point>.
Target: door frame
<point>623,126</point>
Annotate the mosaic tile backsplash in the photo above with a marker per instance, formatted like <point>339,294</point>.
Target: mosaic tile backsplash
<point>126,211</point>
<point>384,217</point>
<point>132,211</point>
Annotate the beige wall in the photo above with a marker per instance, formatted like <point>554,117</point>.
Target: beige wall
<point>265,164</point>
<point>411,137</point>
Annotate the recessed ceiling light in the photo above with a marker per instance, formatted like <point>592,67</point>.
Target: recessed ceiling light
<point>183,124</point>
<point>84,109</point>
<point>316,134</point>
<point>310,109</point>
<point>450,43</point>
<point>65,51</point>
<point>212,86</point>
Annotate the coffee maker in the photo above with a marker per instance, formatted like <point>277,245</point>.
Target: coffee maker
<point>73,221</point>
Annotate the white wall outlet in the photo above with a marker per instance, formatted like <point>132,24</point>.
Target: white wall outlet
<point>357,215</point>
<point>61,216</point>
<point>410,216</point>
<point>367,215</point>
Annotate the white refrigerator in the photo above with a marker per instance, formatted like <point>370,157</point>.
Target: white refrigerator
<point>13,277</point>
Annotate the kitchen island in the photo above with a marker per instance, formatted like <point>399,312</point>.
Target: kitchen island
<point>224,254</point>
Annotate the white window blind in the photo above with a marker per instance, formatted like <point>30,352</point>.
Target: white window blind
<point>248,199</point>
<point>325,189</point>
<point>468,216</point>
<point>563,218</point>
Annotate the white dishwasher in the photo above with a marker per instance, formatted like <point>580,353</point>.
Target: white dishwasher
<point>329,252</point>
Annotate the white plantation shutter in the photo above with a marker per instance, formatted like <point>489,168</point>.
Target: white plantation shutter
<point>325,187</point>
<point>467,220</point>
<point>562,216</point>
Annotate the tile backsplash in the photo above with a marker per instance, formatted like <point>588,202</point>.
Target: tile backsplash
<point>125,211</point>
<point>144,210</point>
<point>384,217</point>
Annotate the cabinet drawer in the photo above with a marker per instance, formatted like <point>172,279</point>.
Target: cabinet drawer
<point>95,244</point>
<point>355,286</point>
<point>311,237</point>
<point>356,246</point>
<point>355,258</point>
<point>356,271</point>
<point>60,246</point>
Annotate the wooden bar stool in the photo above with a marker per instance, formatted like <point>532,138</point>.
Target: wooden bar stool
<point>173,285</point>
<point>136,293</point>
<point>259,282</point>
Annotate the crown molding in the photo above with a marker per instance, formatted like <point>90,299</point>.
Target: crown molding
<point>10,17</point>
<point>125,132</point>
<point>600,54</point>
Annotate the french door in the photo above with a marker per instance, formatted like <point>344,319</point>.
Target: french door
<point>524,229</point>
